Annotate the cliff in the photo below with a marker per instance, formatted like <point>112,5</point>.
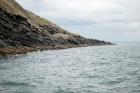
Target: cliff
<point>22,31</point>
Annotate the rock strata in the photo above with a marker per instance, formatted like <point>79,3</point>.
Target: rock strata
<point>19,34</point>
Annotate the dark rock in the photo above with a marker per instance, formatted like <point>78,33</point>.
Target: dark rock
<point>2,44</point>
<point>16,31</point>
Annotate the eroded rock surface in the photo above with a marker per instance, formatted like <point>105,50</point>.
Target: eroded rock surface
<point>31,30</point>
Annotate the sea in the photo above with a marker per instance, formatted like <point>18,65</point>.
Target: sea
<point>93,69</point>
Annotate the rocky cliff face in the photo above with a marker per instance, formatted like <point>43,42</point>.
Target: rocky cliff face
<point>21,28</point>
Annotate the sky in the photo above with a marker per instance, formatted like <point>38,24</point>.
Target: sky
<point>109,20</point>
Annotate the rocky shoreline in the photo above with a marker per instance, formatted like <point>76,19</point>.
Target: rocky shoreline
<point>22,32</point>
<point>24,50</point>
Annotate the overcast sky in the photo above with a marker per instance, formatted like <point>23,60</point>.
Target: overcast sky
<point>110,20</point>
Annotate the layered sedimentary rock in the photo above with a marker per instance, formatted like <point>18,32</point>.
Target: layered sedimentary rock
<point>20,28</point>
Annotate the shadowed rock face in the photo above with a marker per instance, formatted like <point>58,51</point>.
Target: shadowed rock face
<point>16,31</point>
<point>20,31</point>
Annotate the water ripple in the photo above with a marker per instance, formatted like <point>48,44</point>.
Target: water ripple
<point>99,69</point>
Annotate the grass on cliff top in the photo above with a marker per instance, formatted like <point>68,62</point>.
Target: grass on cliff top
<point>37,19</point>
<point>11,6</point>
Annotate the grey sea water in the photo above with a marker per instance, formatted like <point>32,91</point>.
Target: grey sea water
<point>98,69</point>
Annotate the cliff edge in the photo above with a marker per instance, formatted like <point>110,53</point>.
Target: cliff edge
<point>22,31</point>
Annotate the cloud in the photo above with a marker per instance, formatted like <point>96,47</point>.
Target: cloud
<point>93,10</point>
<point>88,11</point>
<point>105,19</point>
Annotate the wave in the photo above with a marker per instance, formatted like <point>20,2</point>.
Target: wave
<point>11,83</point>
